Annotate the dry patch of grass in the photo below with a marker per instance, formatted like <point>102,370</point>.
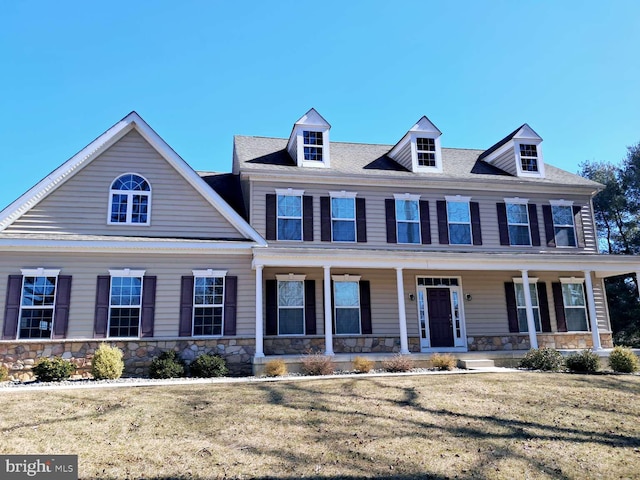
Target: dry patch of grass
<point>524,425</point>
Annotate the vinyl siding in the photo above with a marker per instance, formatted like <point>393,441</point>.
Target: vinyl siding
<point>404,157</point>
<point>80,205</point>
<point>85,268</point>
<point>506,162</point>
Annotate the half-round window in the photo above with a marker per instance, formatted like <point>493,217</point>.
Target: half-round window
<point>130,200</point>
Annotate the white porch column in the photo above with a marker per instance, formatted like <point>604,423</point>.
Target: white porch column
<point>531,324</point>
<point>591,303</point>
<point>402,314</point>
<point>259,329</point>
<point>328,323</point>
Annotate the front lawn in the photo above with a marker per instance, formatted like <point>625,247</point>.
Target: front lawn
<point>511,425</point>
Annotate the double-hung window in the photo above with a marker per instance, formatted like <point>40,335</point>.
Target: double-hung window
<point>459,221</point>
<point>518,222</point>
<point>426,152</point>
<point>290,304</point>
<point>529,158</point>
<point>343,216</point>
<point>130,200</point>
<point>125,302</point>
<point>346,295</point>
<point>312,144</point>
<point>37,303</point>
<point>208,302</point>
<point>563,226</point>
<point>289,212</point>
<point>521,304</point>
<point>575,306</point>
<point>408,218</point>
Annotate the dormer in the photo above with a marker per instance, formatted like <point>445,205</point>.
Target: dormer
<point>419,150</point>
<point>309,141</point>
<point>519,153</point>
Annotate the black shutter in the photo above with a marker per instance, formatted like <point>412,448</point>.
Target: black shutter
<point>325,219</point>
<point>271,206</point>
<point>443,225</point>
<point>361,220</point>
<point>548,226</point>
<point>543,307</point>
<point>577,215</point>
<point>475,223</point>
<point>271,298</point>
<point>333,309</point>
<point>230,304</point>
<point>512,308</point>
<point>63,300</point>
<point>503,226</point>
<point>310,307</point>
<point>558,303</point>
<point>148,305</point>
<point>425,222</point>
<point>307,218</point>
<point>12,307</point>
<point>102,306</point>
<point>534,228</point>
<point>186,306</point>
<point>390,216</point>
<point>365,307</point>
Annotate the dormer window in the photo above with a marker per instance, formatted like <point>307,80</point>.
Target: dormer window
<point>309,141</point>
<point>419,150</point>
<point>519,153</point>
<point>528,158</point>
<point>312,142</point>
<point>426,152</point>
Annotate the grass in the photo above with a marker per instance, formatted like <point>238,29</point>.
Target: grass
<point>522,425</point>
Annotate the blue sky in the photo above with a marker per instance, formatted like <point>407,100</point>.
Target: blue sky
<point>201,71</point>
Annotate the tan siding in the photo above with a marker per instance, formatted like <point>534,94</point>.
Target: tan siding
<point>506,162</point>
<point>404,157</point>
<point>80,206</point>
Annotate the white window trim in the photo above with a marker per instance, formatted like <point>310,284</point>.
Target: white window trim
<point>346,278</point>
<point>561,203</point>
<point>459,199</point>
<point>407,197</point>
<point>532,281</point>
<point>38,272</point>
<point>414,152</point>
<point>571,281</point>
<point>126,272</point>
<point>130,194</point>
<point>564,203</point>
<point>540,162</point>
<point>351,279</point>
<point>326,160</point>
<point>290,192</point>
<point>208,273</point>
<point>292,277</point>
<point>343,194</point>
<point>518,201</point>
<point>348,195</point>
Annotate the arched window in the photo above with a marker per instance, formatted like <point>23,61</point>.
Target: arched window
<point>130,200</point>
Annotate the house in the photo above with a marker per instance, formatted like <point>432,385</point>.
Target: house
<point>308,244</point>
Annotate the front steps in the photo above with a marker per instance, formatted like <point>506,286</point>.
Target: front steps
<point>474,364</point>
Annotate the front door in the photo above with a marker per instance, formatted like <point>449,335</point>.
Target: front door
<point>440,322</point>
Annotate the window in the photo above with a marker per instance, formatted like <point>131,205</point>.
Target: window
<point>37,304</point>
<point>518,223</point>
<point>290,304</point>
<point>459,220</point>
<point>346,294</point>
<point>575,307</point>
<point>130,200</point>
<point>289,217</point>
<point>312,144</point>
<point>521,305</point>
<point>426,152</point>
<point>408,221</point>
<point>125,303</point>
<point>343,219</point>
<point>208,303</point>
<point>529,158</point>
<point>563,227</point>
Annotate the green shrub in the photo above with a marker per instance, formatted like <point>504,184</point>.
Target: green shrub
<point>622,359</point>
<point>107,363</point>
<point>398,363</point>
<point>4,373</point>
<point>167,365</point>
<point>443,362</point>
<point>317,364</point>
<point>362,365</point>
<point>275,368</point>
<point>53,369</point>
<point>584,362</point>
<point>207,366</point>
<point>548,359</point>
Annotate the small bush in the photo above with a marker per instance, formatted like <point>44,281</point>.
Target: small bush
<point>443,362</point>
<point>623,360</point>
<point>207,366</point>
<point>4,373</point>
<point>53,369</point>
<point>584,362</point>
<point>107,363</point>
<point>398,363</point>
<point>317,364</point>
<point>547,359</point>
<point>275,368</point>
<point>362,365</point>
<point>167,365</point>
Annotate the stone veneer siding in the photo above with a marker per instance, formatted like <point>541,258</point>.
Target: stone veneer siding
<point>360,344</point>
<point>558,341</point>
<point>19,357</point>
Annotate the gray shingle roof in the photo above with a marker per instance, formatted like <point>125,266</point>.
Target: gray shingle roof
<point>263,153</point>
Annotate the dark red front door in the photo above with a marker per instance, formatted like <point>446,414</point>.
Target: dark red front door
<point>440,328</point>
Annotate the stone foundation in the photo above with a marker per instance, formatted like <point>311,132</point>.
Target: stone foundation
<point>19,357</point>
<point>360,344</point>
<point>559,341</point>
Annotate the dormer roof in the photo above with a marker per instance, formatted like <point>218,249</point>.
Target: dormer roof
<point>419,149</point>
<point>308,143</point>
<point>519,153</point>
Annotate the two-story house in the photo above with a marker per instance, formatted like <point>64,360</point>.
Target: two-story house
<point>308,244</point>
